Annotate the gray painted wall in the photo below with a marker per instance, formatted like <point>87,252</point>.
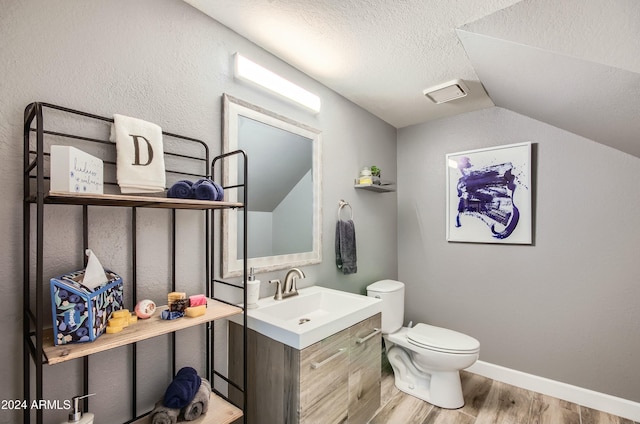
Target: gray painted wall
<point>163,61</point>
<point>564,308</point>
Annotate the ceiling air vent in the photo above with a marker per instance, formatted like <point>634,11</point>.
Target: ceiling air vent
<point>446,92</point>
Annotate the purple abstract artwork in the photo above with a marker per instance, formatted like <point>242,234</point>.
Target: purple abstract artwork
<point>487,194</point>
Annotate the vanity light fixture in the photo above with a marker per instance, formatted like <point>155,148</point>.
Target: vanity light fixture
<point>446,92</point>
<point>250,71</point>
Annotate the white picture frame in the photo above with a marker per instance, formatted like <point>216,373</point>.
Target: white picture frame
<point>489,195</point>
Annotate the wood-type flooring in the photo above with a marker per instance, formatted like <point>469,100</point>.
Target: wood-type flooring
<point>486,402</point>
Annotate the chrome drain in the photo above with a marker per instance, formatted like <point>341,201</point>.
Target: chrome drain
<point>303,321</point>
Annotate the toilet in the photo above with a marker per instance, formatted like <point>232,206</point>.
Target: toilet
<point>426,360</point>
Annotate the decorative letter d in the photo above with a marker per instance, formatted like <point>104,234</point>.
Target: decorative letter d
<point>136,144</point>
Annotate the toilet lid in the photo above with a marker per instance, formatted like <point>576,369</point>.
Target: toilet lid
<point>442,339</point>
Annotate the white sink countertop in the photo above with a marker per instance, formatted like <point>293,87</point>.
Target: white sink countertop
<point>314,314</point>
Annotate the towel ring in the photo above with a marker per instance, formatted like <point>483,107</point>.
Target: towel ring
<point>342,204</point>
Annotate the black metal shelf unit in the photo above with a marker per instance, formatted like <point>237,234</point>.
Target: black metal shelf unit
<point>47,124</point>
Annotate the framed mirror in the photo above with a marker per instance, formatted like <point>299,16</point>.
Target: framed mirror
<point>284,190</point>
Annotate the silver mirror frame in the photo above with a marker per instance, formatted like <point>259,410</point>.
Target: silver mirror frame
<point>232,266</point>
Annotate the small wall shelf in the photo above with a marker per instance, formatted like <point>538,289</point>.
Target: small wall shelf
<point>384,187</point>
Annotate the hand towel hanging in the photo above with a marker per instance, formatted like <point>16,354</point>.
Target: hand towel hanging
<point>346,258</point>
<point>140,155</point>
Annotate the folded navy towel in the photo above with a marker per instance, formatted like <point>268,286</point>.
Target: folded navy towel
<point>182,389</point>
<point>183,189</point>
<point>346,259</point>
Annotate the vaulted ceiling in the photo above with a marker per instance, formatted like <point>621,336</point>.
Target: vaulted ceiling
<point>574,64</point>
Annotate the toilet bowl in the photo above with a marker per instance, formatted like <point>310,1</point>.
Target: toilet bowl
<point>426,360</point>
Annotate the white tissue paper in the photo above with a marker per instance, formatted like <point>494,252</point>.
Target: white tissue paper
<point>94,274</point>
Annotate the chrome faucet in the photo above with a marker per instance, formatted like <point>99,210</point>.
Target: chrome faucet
<point>289,288</point>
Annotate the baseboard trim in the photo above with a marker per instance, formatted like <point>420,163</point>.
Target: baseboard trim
<point>585,397</point>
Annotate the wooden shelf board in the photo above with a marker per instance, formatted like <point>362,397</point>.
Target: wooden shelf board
<point>64,198</point>
<point>220,412</point>
<point>142,330</point>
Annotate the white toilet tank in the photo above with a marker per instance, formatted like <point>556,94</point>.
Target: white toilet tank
<point>392,294</point>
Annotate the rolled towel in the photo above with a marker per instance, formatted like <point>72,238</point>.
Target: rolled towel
<point>200,403</point>
<point>220,191</point>
<point>205,190</point>
<point>164,415</point>
<point>182,389</point>
<point>183,189</point>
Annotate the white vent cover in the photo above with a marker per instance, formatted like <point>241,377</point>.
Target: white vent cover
<point>446,92</point>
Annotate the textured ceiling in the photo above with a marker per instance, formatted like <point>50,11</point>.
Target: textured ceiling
<point>380,54</point>
<point>574,64</point>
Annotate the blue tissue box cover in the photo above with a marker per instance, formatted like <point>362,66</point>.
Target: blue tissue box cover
<point>79,313</point>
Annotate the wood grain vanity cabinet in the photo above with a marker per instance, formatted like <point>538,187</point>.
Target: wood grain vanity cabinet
<point>365,345</point>
<point>336,380</point>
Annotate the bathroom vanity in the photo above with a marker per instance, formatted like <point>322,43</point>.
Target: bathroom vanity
<point>335,380</point>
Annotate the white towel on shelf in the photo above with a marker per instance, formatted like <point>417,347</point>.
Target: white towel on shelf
<point>140,155</point>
